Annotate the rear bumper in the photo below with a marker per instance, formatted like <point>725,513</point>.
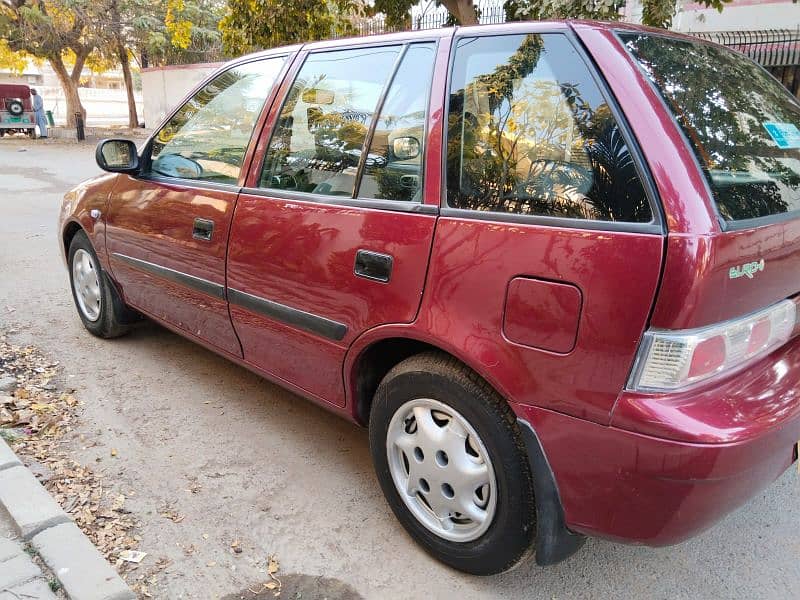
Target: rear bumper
<point>671,466</point>
<point>636,488</point>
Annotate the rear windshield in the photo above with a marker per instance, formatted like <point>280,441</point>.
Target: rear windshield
<point>742,124</point>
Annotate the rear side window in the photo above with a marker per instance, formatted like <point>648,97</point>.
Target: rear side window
<point>742,124</point>
<point>393,166</point>
<point>317,143</point>
<point>530,133</point>
<point>208,136</point>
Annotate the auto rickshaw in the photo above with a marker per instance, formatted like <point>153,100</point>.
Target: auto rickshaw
<point>16,110</point>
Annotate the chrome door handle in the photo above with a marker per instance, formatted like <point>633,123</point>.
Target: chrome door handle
<point>203,229</point>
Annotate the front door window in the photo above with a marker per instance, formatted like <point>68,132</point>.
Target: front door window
<point>207,138</point>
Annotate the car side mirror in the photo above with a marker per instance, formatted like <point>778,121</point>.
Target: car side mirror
<point>117,156</point>
<point>405,148</point>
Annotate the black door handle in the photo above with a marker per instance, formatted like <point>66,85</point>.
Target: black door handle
<point>203,229</point>
<point>373,265</point>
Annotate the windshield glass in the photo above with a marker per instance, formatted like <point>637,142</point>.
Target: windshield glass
<point>742,124</point>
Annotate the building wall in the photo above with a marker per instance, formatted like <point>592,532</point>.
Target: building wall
<point>736,16</point>
<point>739,15</point>
<point>163,88</point>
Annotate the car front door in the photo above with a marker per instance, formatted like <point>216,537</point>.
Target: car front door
<point>167,228</point>
<point>332,235</point>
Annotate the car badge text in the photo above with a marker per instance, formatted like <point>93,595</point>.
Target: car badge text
<point>747,270</point>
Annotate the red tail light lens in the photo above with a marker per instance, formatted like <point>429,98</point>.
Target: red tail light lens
<point>674,360</point>
<point>708,357</point>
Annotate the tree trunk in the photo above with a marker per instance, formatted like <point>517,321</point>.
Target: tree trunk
<point>462,10</point>
<point>70,87</point>
<point>124,59</point>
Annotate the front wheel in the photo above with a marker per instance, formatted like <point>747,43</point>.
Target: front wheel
<point>452,465</point>
<point>99,306</point>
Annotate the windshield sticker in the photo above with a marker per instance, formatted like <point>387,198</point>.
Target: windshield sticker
<point>786,135</point>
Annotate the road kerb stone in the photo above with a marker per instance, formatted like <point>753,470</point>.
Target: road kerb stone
<point>79,567</point>
<point>31,508</point>
<point>7,457</point>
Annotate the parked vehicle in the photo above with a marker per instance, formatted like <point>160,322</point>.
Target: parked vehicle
<point>552,266</point>
<point>16,110</point>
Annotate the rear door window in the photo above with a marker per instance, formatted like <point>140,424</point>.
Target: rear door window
<point>393,165</point>
<point>741,123</point>
<point>207,137</point>
<point>322,127</point>
<point>530,133</point>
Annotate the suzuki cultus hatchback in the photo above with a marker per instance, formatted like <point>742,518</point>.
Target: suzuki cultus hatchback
<point>552,266</point>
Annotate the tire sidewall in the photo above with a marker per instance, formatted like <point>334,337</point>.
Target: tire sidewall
<point>511,534</point>
<point>104,322</point>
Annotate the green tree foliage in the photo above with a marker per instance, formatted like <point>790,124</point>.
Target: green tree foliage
<point>166,32</point>
<point>249,26</point>
<point>657,13</point>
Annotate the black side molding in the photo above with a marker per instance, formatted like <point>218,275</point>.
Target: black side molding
<point>198,283</point>
<point>554,542</point>
<point>300,319</point>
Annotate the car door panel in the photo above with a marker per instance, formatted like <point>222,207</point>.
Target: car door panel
<point>161,267</point>
<point>299,293</point>
<point>168,228</point>
<point>301,255</point>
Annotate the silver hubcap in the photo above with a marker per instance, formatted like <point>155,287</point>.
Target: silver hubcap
<point>441,470</point>
<point>86,283</point>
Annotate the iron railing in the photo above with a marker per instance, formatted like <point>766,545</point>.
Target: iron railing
<point>769,47</point>
<point>777,50</point>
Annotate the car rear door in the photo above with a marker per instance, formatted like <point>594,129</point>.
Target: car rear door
<point>333,231</point>
<point>167,229</point>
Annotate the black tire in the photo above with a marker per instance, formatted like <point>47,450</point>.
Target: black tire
<point>510,537</point>
<point>114,318</point>
<point>15,107</point>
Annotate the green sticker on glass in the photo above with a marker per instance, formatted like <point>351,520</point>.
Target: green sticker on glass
<point>786,135</point>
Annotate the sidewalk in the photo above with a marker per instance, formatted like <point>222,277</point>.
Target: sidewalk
<point>31,522</point>
<point>20,576</point>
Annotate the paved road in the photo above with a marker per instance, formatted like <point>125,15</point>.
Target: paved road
<point>283,476</point>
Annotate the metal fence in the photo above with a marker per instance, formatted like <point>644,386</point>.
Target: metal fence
<point>777,50</point>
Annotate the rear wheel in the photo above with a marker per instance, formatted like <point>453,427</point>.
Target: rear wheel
<point>99,306</point>
<point>452,464</point>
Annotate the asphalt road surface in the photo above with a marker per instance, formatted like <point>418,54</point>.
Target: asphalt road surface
<point>283,476</point>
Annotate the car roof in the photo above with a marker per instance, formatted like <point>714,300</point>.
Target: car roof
<point>441,32</point>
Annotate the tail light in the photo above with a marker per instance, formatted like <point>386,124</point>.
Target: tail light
<point>674,360</point>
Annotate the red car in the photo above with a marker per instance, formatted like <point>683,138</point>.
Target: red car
<point>552,266</point>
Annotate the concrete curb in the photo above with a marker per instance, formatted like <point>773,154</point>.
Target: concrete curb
<point>78,565</point>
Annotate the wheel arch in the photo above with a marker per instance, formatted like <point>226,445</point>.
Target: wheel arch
<point>373,355</point>
<point>69,231</point>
